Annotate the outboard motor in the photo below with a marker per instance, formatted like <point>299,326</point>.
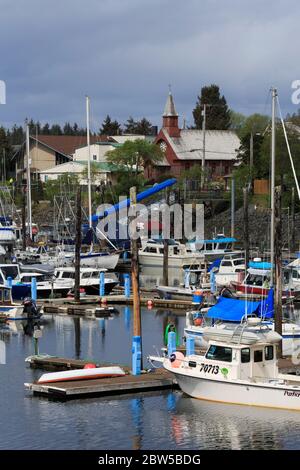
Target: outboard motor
<point>30,307</point>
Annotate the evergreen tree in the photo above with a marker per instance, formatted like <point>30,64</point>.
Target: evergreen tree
<point>45,129</point>
<point>68,129</point>
<point>55,129</point>
<point>142,127</point>
<point>217,111</point>
<point>110,127</point>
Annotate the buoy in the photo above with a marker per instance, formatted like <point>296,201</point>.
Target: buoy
<point>176,359</point>
<point>198,321</point>
<point>89,366</point>
<point>149,304</point>
<point>104,300</point>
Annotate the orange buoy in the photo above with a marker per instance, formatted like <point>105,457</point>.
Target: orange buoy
<point>149,304</point>
<point>176,359</point>
<point>90,366</point>
<point>198,321</point>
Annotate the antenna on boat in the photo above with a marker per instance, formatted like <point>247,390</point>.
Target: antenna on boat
<point>274,97</point>
<point>28,181</point>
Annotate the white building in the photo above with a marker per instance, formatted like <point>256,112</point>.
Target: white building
<point>99,149</point>
<point>104,171</point>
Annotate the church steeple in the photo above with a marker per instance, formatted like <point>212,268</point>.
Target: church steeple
<point>170,117</point>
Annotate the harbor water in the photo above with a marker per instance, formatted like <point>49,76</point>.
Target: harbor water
<point>160,420</point>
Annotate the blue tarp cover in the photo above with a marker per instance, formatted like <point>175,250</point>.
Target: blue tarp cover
<point>260,265</point>
<point>234,309</point>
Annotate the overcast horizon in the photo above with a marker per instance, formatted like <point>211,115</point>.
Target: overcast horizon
<point>125,53</point>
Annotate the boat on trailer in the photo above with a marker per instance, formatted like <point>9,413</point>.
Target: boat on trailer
<point>239,366</point>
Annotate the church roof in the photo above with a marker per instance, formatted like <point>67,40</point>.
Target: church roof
<point>170,107</point>
<point>219,145</point>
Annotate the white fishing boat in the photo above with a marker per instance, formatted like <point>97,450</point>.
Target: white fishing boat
<point>195,280</point>
<point>214,248</point>
<point>231,269</point>
<point>152,253</point>
<point>239,366</point>
<point>89,279</point>
<point>47,285</point>
<point>8,308</point>
<point>81,374</point>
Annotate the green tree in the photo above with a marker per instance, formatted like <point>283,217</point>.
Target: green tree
<point>110,127</point>
<point>217,111</point>
<point>237,120</point>
<point>134,156</point>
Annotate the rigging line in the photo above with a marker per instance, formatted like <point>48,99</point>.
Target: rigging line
<point>288,147</point>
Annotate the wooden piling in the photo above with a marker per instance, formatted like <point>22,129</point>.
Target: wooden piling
<point>77,246</point>
<point>293,247</point>
<point>166,249</point>
<point>137,324</point>
<point>278,261</point>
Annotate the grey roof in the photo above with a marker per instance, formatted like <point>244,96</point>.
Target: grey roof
<point>170,107</point>
<point>219,145</point>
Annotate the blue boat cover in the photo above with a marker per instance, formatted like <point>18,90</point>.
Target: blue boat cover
<point>234,310</point>
<point>260,265</point>
<point>215,264</point>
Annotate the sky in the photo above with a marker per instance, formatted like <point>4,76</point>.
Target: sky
<point>125,53</point>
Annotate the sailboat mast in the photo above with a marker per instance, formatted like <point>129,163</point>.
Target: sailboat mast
<point>274,96</point>
<point>29,216</point>
<point>89,159</point>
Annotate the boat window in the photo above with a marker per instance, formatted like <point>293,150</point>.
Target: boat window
<point>68,275</point>
<point>238,262</point>
<point>150,249</point>
<point>245,355</point>
<point>226,263</point>
<point>229,246</point>
<point>95,274</point>
<point>1,295</point>
<point>269,353</point>
<point>85,275</point>
<point>209,246</point>
<point>6,294</point>
<point>258,355</point>
<point>161,250</point>
<point>219,353</point>
<point>295,274</point>
<point>10,271</point>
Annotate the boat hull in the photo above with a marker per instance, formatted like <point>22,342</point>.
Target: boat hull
<point>241,394</point>
<point>81,374</point>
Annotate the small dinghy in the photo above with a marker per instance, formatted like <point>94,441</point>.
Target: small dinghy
<point>81,374</point>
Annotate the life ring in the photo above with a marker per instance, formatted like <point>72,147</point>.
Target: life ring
<point>198,321</point>
<point>176,359</point>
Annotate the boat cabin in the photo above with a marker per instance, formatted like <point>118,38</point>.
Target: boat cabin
<point>156,247</point>
<point>242,352</point>
<point>220,245</point>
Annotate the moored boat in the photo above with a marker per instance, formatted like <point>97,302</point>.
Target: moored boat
<point>81,374</point>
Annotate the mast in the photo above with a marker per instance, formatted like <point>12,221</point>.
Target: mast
<point>203,145</point>
<point>89,158</point>
<point>29,214</point>
<point>274,96</point>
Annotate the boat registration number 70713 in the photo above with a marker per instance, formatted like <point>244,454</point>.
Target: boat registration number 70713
<point>210,368</point>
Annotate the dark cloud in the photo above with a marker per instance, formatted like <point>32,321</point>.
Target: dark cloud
<point>124,53</point>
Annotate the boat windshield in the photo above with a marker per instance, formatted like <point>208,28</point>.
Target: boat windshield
<point>10,271</point>
<point>219,353</point>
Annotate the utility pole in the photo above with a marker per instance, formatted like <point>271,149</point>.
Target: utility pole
<point>29,208</point>
<point>246,225</point>
<point>137,359</point>
<point>89,159</point>
<point>232,206</point>
<point>278,262</point>
<point>77,245</point>
<point>203,145</point>
<point>274,96</point>
<point>251,158</point>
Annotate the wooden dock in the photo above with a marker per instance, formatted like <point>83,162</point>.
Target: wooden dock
<point>148,381</point>
<point>87,307</point>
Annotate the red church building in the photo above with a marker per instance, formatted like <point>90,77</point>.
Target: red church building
<point>183,148</point>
